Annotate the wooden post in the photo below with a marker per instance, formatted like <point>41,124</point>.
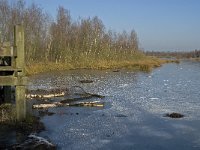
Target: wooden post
<point>19,45</point>
<point>20,102</point>
<point>20,89</point>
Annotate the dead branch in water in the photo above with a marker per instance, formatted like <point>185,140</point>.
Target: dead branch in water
<point>78,104</point>
<point>83,97</point>
<point>43,94</point>
<point>86,81</point>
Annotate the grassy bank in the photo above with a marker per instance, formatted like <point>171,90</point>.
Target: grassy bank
<point>142,63</point>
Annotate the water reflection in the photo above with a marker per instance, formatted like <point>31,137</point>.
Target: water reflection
<point>143,98</point>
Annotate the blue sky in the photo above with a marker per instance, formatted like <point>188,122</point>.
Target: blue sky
<point>164,25</point>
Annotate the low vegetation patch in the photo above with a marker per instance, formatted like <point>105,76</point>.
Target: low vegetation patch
<point>8,117</point>
<point>7,113</point>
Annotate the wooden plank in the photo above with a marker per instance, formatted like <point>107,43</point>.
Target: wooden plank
<point>10,81</point>
<point>6,52</point>
<point>7,80</point>
<point>9,68</point>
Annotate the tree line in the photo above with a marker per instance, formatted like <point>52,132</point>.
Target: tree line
<point>178,55</point>
<point>61,39</point>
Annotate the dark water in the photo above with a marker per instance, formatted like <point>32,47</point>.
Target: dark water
<point>133,115</point>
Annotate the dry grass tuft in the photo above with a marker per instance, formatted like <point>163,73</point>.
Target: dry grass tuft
<point>7,113</point>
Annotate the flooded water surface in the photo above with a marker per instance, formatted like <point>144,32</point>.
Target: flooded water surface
<point>135,106</point>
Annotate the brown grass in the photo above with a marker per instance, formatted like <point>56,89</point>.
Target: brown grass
<point>143,63</point>
<point>7,113</point>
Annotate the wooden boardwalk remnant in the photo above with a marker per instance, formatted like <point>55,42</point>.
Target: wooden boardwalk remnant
<point>12,73</point>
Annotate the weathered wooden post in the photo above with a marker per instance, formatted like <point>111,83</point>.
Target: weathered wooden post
<point>12,72</point>
<point>20,86</point>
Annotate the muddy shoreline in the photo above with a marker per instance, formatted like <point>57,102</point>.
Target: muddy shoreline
<point>15,135</point>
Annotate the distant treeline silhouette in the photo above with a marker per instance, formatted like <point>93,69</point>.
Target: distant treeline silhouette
<point>179,55</point>
<point>61,39</point>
